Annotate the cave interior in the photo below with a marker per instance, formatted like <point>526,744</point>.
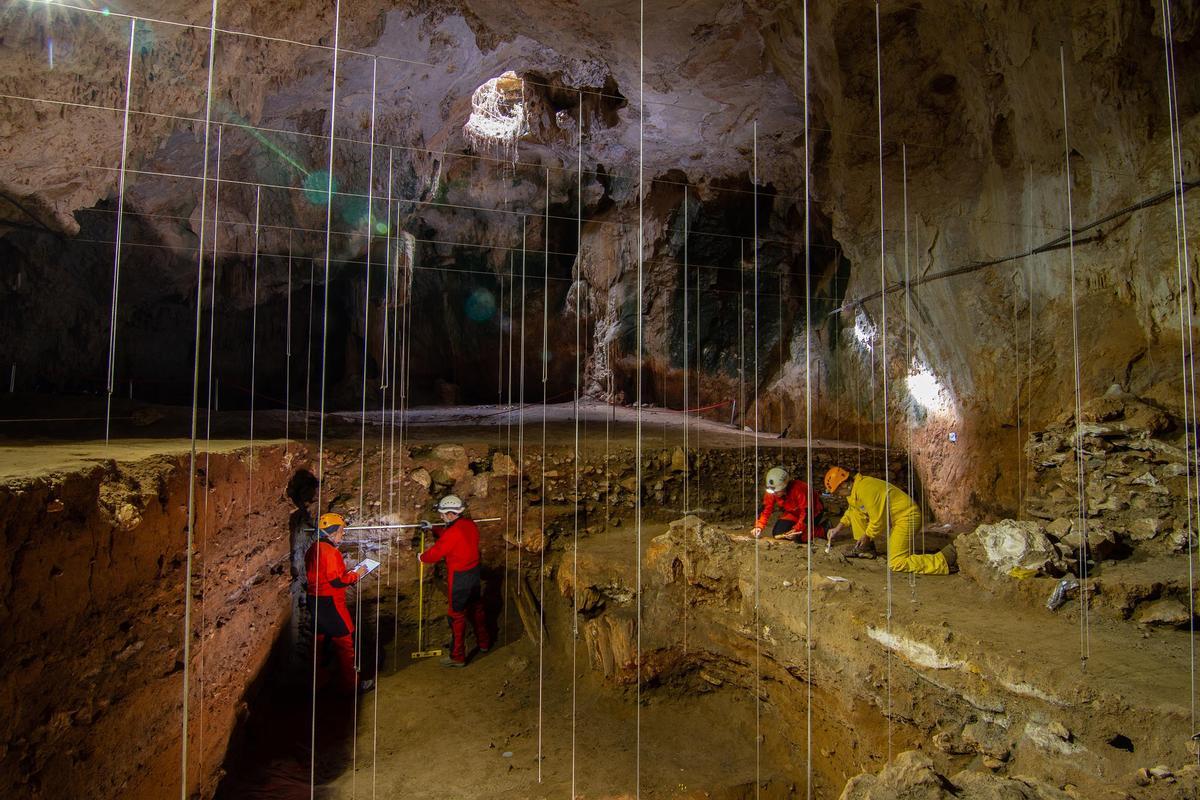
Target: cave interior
<point>595,268</point>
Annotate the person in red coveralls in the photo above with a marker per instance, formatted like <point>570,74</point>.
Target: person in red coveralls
<point>459,545</point>
<point>792,497</point>
<point>328,580</point>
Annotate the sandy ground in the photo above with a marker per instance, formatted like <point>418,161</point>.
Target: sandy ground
<point>431,732</point>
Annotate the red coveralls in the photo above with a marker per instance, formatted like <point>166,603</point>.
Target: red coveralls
<point>327,581</point>
<point>459,545</point>
<point>794,517</point>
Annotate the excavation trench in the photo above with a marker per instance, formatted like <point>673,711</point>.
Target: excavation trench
<point>733,635</point>
<point>431,732</point>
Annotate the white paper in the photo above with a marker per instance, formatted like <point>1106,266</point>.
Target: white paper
<point>370,563</point>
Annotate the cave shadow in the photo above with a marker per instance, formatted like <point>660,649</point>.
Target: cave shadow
<point>270,752</point>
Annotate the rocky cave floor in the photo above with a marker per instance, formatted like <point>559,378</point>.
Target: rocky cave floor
<point>975,673</point>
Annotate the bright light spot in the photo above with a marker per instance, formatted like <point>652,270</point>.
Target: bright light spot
<point>864,329</point>
<point>927,390</point>
<point>497,118</point>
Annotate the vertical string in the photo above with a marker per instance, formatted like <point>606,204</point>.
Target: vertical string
<point>393,539</point>
<point>1084,643</point>
<point>808,450</point>
<point>337,12</point>
<point>210,403</point>
<point>512,290</point>
<point>253,347</point>
<point>757,540</point>
<point>1182,263</point>
<point>287,348</point>
<point>908,357</point>
<point>112,322</point>
<point>887,497</point>
<point>191,506</point>
<point>362,451</point>
<point>542,512</point>
<point>362,446</point>
<point>579,298</point>
<point>521,418</point>
<point>640,364</point>
<point>687,415</point>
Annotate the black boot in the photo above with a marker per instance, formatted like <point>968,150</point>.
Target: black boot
<point>951,556</point>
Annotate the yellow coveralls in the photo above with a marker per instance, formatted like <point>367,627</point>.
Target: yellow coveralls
<point>867,515</point>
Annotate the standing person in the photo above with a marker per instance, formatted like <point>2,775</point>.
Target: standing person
<point>875,505</point>
<point>328,579</point>
<point>793,498</point>
<point>459,545</point>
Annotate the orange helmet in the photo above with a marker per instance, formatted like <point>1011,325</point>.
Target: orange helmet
<point>834,478</point>
<point>331,523</point>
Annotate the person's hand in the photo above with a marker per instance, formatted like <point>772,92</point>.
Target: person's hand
<point>832,534</point>
<point>426,525</point>
<point>360,570</point>
<point>756,532</point>
<point>791,535</point>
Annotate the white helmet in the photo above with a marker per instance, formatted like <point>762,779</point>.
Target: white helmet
<point>450,504</point>
<point>777,480</point>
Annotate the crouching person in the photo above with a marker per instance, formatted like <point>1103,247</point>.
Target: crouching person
<point>875,506</point>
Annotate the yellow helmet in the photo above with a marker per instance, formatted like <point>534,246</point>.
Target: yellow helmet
<point>331,523</point>
<point>834,478</point>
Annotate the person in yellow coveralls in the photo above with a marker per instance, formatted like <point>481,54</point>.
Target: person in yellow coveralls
<point>873,506</point>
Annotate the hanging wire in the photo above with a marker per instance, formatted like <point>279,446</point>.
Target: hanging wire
<point>1187,366</point>
<point>887,496</point>
<point>641,254</point>
<point>324,341</point>
<point>191,505</point>
<point>116,282</point>
<point>579,299</point>
<point>1081,518</point>
<point>757,540</point>
<point>808,449</point>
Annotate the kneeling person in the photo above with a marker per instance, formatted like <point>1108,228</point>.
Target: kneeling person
<point>459,545</point>
<point>875,505</point>
<point>793,498</point>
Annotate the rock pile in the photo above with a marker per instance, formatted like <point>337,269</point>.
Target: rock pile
<point>1135,478</point>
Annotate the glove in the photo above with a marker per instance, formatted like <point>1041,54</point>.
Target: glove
<point>426,525</point>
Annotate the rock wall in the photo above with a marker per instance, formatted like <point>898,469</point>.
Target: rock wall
<point>975,150</point>
<point>92,615</point>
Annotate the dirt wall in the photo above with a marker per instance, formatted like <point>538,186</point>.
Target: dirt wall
<point>91,618</point>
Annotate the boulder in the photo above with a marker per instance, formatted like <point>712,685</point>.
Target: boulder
<point>503,465</point>
<point>1146,528</point>
<point>1167,612</point>
<point>1102,543</point>
<point>1010,544</point>
<point>421,477</point>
